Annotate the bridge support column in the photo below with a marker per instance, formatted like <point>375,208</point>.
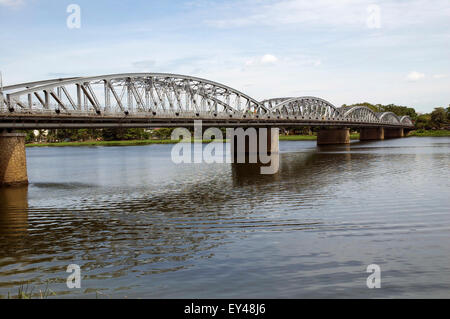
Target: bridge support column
<point>393,132</point>
<point>13,162</point>
<point>248,142</point>
<point>245,143</point>
<point>371,133</point>
<point>330,136</point>
<point>255,149</point>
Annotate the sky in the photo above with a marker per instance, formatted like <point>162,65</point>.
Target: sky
<point>345,51</point>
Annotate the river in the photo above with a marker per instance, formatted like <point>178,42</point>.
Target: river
<point>141,226</point>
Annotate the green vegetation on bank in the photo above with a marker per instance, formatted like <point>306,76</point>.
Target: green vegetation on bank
<point>109,143</point>
<point>429,133</point>
<point>167,141</point>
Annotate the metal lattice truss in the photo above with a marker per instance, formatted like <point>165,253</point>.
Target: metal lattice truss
<point>169,96</point>
<point>314,108</point>
<point>137,94</point>
<point>306,107</point>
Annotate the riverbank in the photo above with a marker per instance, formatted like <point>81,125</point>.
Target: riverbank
<point>106,143</point>
<point>419,133</point>
<point>430,133</point>
<point>148,142</point>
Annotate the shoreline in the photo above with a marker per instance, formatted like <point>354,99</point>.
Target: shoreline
<point>437,133</point>
<point>149,142</point>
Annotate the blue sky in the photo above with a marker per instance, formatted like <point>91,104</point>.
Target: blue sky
<point>326,48</point>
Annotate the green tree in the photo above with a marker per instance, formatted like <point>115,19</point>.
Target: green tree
<point>424,122</point>
<point>163,133</point>
<point>438,117</point>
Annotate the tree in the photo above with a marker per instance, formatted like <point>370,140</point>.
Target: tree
<point>438,117</point>
<point>424,122</point>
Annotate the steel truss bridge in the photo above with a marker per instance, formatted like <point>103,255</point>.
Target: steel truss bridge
<point>164,100</point>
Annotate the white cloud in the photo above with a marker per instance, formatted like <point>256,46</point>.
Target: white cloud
<point>11,3</point>
<point>415,76</point>
<point>266,59</point>
<point>326,13</point>
<point>439,76</point>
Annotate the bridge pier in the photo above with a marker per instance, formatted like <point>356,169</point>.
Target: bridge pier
<point>247,143</point>
<point>13,161</point>
<point>371,133</point>
<point>255,149</point>
<point>329,136</point>
<point>393,132</point>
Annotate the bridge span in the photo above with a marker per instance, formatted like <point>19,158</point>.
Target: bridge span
<point>168,100</point>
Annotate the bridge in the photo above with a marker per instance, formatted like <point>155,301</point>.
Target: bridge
<point>169,100</point>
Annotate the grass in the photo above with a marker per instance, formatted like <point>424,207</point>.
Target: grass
<point>430,133</point>
<point>26,292</point>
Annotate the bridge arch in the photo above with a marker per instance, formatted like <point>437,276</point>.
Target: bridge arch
<point>389,117</point>
<point>306,107</point>
<point>132,93</point>
<point>406,120</point>
<point>360,113</point>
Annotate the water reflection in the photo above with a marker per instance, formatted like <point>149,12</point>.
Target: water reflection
<point>13,211</point>
<point>244,173</point>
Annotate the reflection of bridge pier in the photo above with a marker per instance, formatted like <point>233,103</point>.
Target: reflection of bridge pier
<point>244,173</point>
<point>13,211</point>
<point>13,163</point>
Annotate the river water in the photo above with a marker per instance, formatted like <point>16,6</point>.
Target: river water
<point>141,226</point>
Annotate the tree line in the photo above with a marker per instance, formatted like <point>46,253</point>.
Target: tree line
<point>107,134</point>
<point>439,118</point>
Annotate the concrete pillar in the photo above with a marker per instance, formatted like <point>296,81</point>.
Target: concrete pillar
<point>13,162</point>
<point>371,133</point>
<point>249,142</point>
<point>393,132</point>
<point>257,147</point>
<point>330,136</point>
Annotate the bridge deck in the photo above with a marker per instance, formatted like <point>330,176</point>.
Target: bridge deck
<point>92,120</point>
